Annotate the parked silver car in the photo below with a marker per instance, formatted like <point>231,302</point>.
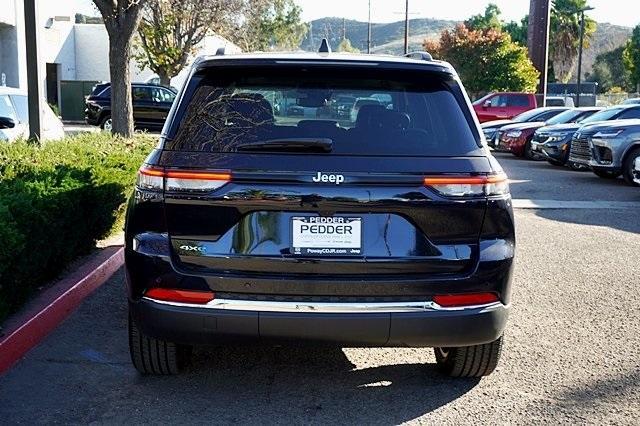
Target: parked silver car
<point>14,117</point>
<point>610,149</point>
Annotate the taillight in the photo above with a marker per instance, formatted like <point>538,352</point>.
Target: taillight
<point>465,186</point>
<point>468,299</point>
<point>180,296</point>
<point>181,180</point>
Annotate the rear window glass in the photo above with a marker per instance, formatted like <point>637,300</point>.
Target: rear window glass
<point>377,112</point>
<point>517,101</point>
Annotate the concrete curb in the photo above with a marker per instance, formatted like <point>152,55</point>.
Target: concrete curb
<point>53,306</point>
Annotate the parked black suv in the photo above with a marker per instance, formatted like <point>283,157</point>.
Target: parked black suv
<point>151,104</point>
<point>394,229</point>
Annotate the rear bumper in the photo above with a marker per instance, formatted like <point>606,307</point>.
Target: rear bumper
<point>427,326</point>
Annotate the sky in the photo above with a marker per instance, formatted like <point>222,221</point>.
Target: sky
<point>619,12</point>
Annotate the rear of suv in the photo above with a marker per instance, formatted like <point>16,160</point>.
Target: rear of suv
<point>392,228</point>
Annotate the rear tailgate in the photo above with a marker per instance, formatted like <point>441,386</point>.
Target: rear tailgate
<point>245,226</point>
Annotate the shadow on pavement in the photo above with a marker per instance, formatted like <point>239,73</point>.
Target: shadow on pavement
<point>307,384</point>
<point>621,219</point>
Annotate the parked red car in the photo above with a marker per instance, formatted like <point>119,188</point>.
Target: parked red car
<point>503,105</point>
<point>516,138</point>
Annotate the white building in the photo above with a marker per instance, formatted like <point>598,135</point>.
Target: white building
<point>72,56</point>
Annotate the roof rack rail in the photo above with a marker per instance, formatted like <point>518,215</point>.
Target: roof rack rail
<point>220,51</point>
<point>324,46</point>
<point>420,55</point>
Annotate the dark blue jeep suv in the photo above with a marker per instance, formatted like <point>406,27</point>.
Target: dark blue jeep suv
<point>389,227</point>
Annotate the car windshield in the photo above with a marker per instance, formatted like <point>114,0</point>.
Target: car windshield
<point>568,116</point>
<point>527,116</point>
<point>603,115</point>
<point>286,108</point>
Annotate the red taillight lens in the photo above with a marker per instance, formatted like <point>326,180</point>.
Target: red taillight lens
<point>464,186</point>
<point>468,299</point>
<point>180,296</point>
<point>181,180</point>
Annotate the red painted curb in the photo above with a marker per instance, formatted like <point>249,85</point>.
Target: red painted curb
<point>55,305</point>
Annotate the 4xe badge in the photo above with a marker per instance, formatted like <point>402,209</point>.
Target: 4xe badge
<point>193,249</point>
<point>332,178</point>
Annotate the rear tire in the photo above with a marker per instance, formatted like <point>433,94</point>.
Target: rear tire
<point>627,166</point>
<point>606,174</point>
<point>106,123</point>
<point>469,361</point>
<point>155,357</point>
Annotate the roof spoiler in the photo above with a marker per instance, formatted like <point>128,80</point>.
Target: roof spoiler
<point>421,56</point>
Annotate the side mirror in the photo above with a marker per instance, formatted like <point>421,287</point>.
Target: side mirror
<point>487,104</point>
<point>7,123</point>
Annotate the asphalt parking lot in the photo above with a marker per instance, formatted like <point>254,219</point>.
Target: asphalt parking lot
<point>572,350</point>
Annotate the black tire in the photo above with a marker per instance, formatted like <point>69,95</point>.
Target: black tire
<point>104,120</point>
<point>155,357</point>
<point>528,152</point>
<point>627,166</point>
<point>469,361</point>
<point>606,174</point>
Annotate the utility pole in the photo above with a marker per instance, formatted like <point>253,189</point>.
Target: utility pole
<point>406,27</point>
<point>579,89</point>
<point>369,30</point>
<point>33,78</point>
<point>344,28</point>
<point>538,41</point>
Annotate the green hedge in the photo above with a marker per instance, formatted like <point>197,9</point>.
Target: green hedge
<point>56,201</point>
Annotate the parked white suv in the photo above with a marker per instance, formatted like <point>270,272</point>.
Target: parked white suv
<point>636,171</point>
<point>14,117</point>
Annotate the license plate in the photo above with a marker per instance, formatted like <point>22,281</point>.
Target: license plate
<point>326,236</point>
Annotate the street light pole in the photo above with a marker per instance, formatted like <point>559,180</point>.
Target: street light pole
<point>33,78</point>
<point>579,80</point>
<point>369,30</point>
<point>406,27</point>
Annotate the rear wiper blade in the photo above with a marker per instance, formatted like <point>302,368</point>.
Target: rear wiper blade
<point>289,144</point>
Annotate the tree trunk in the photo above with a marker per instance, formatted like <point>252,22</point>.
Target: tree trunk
<point>121,105</point>
<point>165,80</point>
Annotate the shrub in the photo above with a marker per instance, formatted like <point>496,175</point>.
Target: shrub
<point>56,201</point>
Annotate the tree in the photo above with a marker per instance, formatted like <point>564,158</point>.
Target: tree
<point>490,19</point>
<point>270,24</point>
<point>632,57</point>
<point>565,36</point>
<point>121,18</point>
<point>487,60</point>
<point>517,31</point>
<point>170,30</point>
<point>609,71</point>
<point>345,46</point>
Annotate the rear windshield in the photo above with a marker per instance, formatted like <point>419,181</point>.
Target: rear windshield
<point>360,111</point>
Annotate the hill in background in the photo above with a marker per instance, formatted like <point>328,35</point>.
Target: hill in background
<point>389,38</point>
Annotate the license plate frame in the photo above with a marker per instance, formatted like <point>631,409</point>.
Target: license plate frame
<point>318,242</point>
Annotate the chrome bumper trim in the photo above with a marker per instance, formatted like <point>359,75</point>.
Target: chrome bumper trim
<point>322,307</point>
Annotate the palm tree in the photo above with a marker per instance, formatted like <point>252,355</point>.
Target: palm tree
<point>565,36</point>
